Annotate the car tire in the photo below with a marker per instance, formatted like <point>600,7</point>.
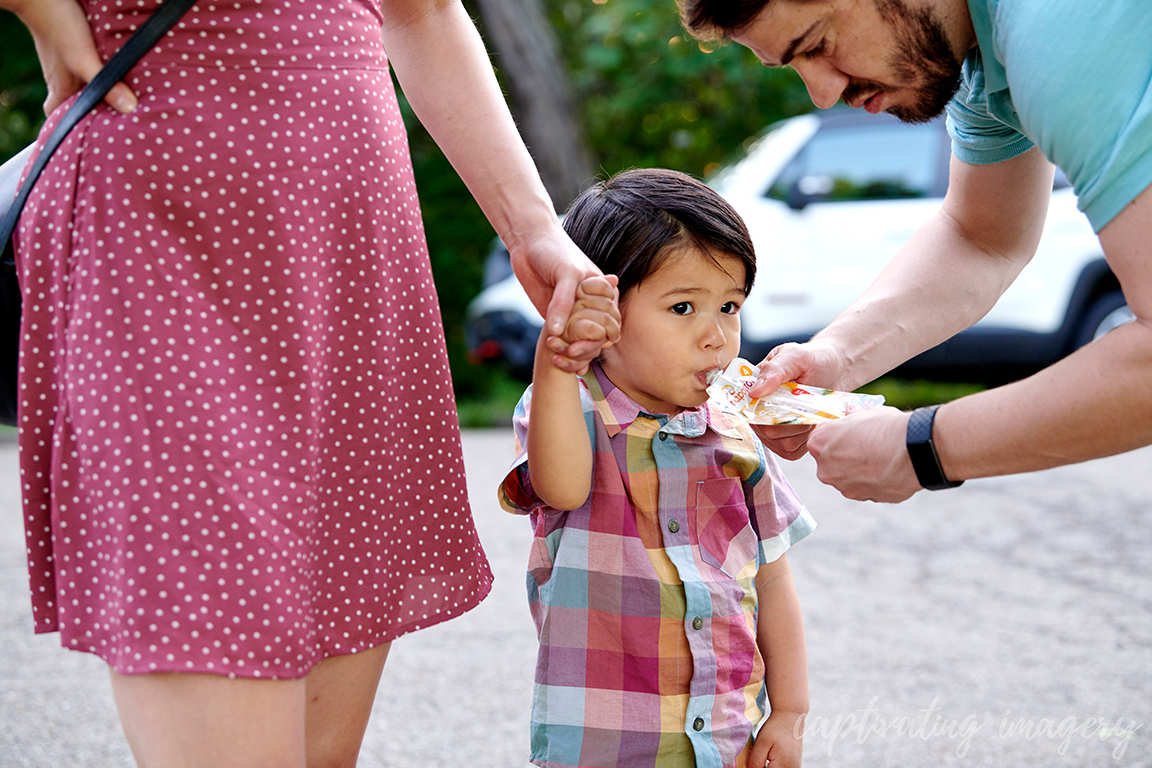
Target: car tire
<point>1105,313</point>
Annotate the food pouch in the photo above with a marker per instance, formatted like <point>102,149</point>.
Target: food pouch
<point>791,403</point>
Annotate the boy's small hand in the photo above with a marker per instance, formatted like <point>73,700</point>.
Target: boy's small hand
<point>780,742</point>
<point>596,313</point>
<point>594,322</point>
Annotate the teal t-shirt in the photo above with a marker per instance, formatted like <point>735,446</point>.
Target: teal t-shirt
<point>1073,78</point>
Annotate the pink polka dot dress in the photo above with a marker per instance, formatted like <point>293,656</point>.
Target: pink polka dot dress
<point>238,441</point>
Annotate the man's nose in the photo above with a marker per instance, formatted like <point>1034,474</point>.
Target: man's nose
<point>825,83</point>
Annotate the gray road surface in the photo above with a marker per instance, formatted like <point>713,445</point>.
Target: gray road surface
<point>1006,623</point>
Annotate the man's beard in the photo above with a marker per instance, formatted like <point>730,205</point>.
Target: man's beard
<point>923,55</point>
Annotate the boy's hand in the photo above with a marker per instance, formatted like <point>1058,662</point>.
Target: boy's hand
<point>780,742</point>
<point>595,316</point>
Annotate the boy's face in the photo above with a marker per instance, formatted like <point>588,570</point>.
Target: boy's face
<point>679,323</point>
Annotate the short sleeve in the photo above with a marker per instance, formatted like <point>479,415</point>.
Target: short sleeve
<point>515,493</point>
<point>778,516</point>
<point>979,137</point>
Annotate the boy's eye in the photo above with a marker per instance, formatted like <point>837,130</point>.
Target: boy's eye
<point>731,308</point>
<point>683,308</point>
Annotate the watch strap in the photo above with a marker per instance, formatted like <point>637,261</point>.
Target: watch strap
<point>922,450</point>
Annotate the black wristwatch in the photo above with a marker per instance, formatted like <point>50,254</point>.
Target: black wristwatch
<point>923,452</point>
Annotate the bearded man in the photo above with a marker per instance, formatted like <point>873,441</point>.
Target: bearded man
<point>1026,83</point>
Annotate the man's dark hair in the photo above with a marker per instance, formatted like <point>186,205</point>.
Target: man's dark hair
<point>629,223</point>
<point>718,19</point>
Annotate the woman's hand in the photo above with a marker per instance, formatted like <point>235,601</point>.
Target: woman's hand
<point>550,267</point>
<point>66,50</point>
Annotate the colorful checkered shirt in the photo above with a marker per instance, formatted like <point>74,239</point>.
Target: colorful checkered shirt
<point>644,598</point>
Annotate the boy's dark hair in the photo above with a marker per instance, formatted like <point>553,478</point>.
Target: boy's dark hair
<point>718,19</point>
<point>629,223</point>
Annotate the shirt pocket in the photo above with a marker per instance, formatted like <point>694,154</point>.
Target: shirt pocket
<point>723,530</point>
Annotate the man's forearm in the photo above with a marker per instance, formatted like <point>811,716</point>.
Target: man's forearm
<point>937,285</point>
<point>951,272</point>
<point>1095,403</point>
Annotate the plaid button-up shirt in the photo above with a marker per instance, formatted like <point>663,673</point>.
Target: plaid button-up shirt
<point>644,598</point>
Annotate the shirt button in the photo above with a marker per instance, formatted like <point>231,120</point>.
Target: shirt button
<point>697,623</point>
<point>698,724</point>
<point>663,436</point>
<point>673,526</point>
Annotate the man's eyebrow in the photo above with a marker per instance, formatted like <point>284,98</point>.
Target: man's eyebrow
<point>790,53</point>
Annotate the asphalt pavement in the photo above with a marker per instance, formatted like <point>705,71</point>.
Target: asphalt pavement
<point>1004,623</point>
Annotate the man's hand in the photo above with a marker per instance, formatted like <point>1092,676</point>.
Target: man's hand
<point>594,319</point>
<point>67,51</point>
<point>864,456</point>
<point>813,363</point>
<point>550,267</point>
<point>780,742</point>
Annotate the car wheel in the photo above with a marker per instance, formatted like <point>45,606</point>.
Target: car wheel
<point>1107,312</point>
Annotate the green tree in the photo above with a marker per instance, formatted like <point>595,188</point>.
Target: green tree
<point>654,96</point>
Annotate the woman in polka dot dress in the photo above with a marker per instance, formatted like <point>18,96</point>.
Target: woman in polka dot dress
<point>239,451</point>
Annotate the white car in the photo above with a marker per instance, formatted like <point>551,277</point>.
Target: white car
<point>829,198</point>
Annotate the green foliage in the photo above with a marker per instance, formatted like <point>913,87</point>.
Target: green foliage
<point>653,96</point>
<point>494,406</point>
<point>458,240</point>
<point>22,89</point>
<point>907,394</point>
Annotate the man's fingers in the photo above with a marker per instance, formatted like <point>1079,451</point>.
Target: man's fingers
<point>786,441</point>
<point>771,376</point>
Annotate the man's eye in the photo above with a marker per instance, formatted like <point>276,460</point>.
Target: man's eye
<point>815,50</point>
<point>731,308</point>
<point>683,308</point>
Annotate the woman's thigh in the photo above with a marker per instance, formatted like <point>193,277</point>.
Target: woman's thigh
<point>180,720</point>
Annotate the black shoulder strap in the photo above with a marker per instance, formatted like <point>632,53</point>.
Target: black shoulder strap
<point>142,40</point>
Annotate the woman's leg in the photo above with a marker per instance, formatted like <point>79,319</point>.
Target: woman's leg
<point>340,692</point>
<point>181,720</point>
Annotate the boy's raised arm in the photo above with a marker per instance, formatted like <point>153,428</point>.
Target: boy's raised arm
<point>780,636</point>
<point>559,449</point>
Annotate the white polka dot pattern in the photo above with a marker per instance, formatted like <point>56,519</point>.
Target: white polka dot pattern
<point>239,447</point>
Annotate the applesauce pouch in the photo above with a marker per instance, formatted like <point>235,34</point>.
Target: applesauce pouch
<point>791,403</point>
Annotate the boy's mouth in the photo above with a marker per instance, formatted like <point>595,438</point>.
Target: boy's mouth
<point>705,376</point>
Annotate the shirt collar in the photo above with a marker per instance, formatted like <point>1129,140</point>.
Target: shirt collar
<point>982,11</point>
<point>618,410</point>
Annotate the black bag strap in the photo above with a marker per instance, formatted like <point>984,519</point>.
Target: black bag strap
<point>142,40</point>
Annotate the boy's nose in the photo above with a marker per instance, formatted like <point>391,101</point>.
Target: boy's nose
<point>713,335</point>
<point>825,83</point>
